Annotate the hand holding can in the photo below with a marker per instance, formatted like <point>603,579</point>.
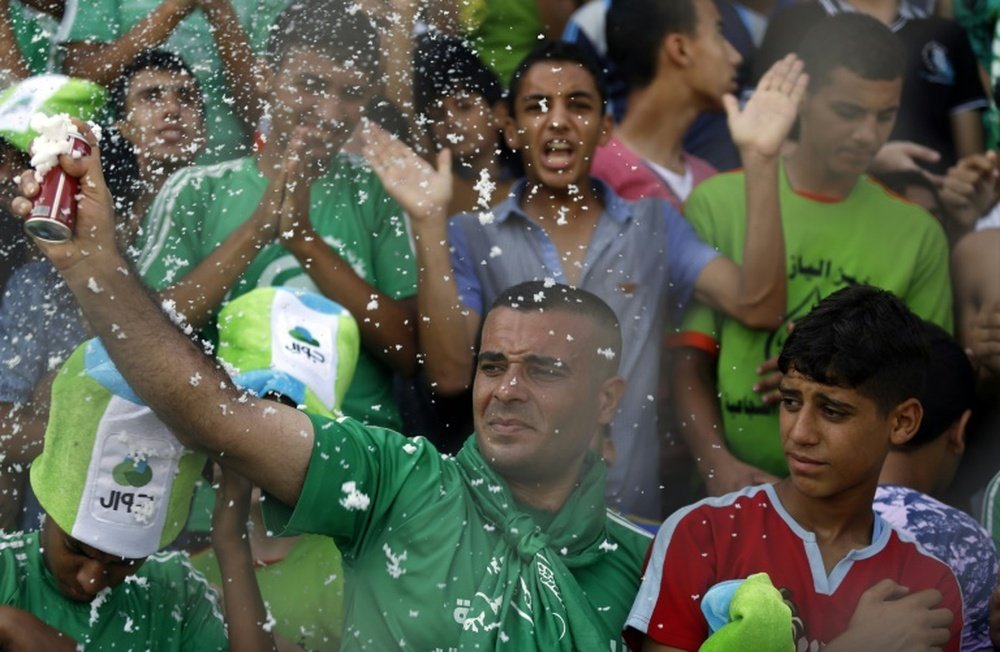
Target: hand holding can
<point>53,216</point>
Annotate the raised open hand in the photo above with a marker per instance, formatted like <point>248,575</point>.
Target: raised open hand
<point>762,126</point>
<point>422,190</point>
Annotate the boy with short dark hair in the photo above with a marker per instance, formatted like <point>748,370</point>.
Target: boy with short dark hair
<point>561,224</point>
<point>852,371</point>
<point>837,224</point>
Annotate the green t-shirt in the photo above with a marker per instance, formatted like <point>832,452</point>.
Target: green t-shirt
<point>165,606</point>
<point>105,21</point>
<point>414,545</point>
<point>34,31</point>
<point>304,592</point>
<point>198,207</point>
<point>872,237</point>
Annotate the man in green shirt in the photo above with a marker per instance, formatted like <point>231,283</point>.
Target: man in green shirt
<point>840,229</point>
<point>301,213</point>
<point>219,39</point>
<point>508,544</point>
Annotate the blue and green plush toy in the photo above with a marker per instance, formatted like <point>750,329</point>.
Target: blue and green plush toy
<point>747,614</point>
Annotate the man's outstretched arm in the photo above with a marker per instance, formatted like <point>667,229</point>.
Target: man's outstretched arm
<point>266,442</point>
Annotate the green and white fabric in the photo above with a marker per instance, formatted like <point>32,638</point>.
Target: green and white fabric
<point>111,474</point>
<point>166,606</point>
<point>437,553</point>
<point>991,509</point>
<point>33,34</point>
<point>298,344</point>
<point>200,206</point>
<point>48,94</point>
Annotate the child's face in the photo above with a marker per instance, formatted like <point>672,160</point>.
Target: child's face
<point>836,438</point>
<point>463,122</point>
<point>81,571</point>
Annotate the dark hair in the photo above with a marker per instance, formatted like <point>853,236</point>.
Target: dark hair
<point>444,65</point>
<point>854,41</point>
<point>146,60</point>
<point>557,51</point>
<point>861,338</point>
<point>635,31</point>
<point>949,386</point>
<point>333,28</point>
<point>539,296</point>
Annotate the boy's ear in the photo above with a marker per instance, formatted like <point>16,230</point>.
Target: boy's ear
<point>503,118</point>
<point>675,51</point>
<point>904,421</point>
<point>607,126</point>
<point>956,433</point>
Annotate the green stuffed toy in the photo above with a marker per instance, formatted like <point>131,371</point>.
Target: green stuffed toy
<point>747,614</point>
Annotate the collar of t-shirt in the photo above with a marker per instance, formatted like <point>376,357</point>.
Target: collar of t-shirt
<point>908,10</point>
<point>680,184</point>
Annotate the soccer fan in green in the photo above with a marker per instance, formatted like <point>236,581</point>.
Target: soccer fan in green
<point>301,213</point>
<point>507,544</point>
<point>840,229</point>
<point>116,485</point>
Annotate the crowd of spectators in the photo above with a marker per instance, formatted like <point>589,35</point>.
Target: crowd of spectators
<point>520,283</point>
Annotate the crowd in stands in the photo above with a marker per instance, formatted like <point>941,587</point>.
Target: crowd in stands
<point>503,324</point>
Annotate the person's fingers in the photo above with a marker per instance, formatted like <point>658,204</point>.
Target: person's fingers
<point>935,179</point>
<point>799,89</point>
<point>21,207</point>
<point>791,75</point>
<point>928,598</point>
<point>958,185</point>
<point>27,184</point>
<point>769,365</point>
<point>917,151</point>
<point>444,160</point>
<point>768,80</point>
<point>980,166</point>
<point>884,590</point>
<point>937,622</point>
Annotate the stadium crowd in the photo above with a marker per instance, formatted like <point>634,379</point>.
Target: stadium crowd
<point>502,324</point>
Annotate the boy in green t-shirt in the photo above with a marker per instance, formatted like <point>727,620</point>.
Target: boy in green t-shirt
<point>840,229</point>
<point>301,213</point>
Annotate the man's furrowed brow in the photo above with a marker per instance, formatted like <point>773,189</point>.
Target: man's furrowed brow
<point>546,361</point>
<point>491,356</point>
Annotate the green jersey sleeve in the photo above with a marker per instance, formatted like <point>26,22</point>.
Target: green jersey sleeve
<point>13,552</point>
<point>201,616</point>
<point>91,21</point>
<point>358,477</point>
<point>170,242</point>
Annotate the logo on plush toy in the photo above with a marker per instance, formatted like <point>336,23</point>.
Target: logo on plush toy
<point>302,334</point>
<point>132,472</point>
<point>310,351</point>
